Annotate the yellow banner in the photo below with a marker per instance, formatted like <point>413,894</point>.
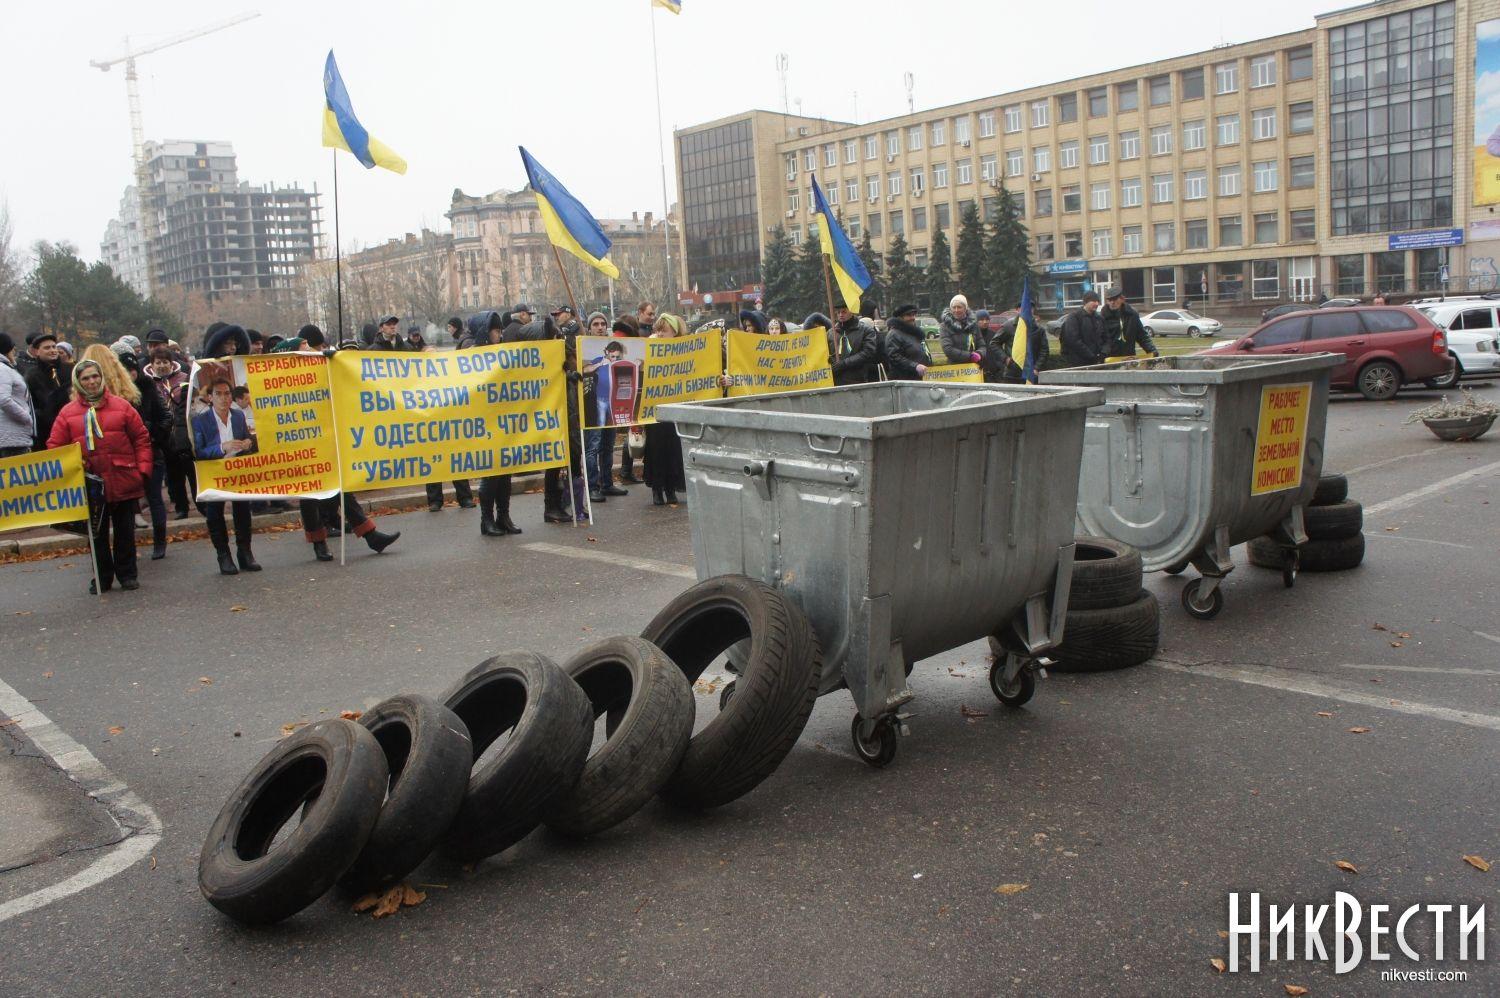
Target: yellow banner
<point>409,419</point>
<point>760,365</point>
<point>633,376</point>
<point>954,372</point>
<point>43,488</point>
<point>1280,438</point>
<point>283,428</point>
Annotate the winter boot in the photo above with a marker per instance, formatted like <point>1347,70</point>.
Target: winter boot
<point>502,509</point>
<point>321,552</point>
<point>247,559</point>
<point>219,534</point>
<point>380,541</point>
<point>158,541</point>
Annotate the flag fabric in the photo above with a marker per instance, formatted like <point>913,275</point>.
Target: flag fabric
<point>342,130</point>
<point>675,6</point>
<point>1020,347</point>
<point>848,269</point>
<point>569,224</point>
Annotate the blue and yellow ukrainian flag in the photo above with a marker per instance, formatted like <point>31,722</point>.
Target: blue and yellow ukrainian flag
<point>569,224</point>
<point>675,6</point>
<point>342,130</point>
<point>1020,347</point>
<point>848,269</point>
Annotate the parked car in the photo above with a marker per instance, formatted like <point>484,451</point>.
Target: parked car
<point>1470,323</point>
<point>1340,303</point>
<point>1384,346</point>
<point>1179,321</point>
<point>1276,311</point>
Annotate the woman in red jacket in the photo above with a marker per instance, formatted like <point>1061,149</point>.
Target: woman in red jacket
<point>117,449</point>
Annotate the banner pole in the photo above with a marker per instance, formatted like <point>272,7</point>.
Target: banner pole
<point>338,457</point>
<point>93,556</point>
<point>338,268</point>
<point>827,280</point>
<point>583,456</point>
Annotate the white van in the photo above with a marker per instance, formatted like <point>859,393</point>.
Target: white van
<point>1473,329</point>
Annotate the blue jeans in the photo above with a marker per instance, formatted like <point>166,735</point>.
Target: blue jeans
<point>153,494</point>
<point>601,445</point>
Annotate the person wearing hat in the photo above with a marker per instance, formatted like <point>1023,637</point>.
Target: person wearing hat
<point>906,356</point>
<point>523,329</point>
<point>1082,334</point>
<point>455,328</point>
<point>157,417</point>
<point>170,380</point>
<point>17,415</point>
<point>50,382</point>
<point>960,337</point>
<point>387,335</point>
<point>257,341</point>
<point>853,346</point>
<point>1123,330</point>
<point>485,329</point>
<point>127,342</point>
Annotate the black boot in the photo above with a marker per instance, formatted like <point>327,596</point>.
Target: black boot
<point>507,525</point>
<point>657,498</point>
<point>226,561</point>
<point>555,514</point>
<point>247,559</point>
<point>502,509</point>
<point>158,541</point>
<point>487,526</point>
<point>671,497</point>
<point>379,542</point>
<point>321,552</point>
<point>219,534</point>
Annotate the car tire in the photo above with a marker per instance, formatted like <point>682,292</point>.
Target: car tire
<point>429,755</point>
<point>648,708</point>
<point>1379,381</point>
<point>1332,488</point>
<point>335,774</point>
<point>1148,330</point>
<point>1449,381</point>
<point>1111,638</point>
<point>1334,521</point>
<point>551,725</point>
<point>1106,573</point>
<point>1314,556</point>
<point>774,691</point>
<point>1194,332</point>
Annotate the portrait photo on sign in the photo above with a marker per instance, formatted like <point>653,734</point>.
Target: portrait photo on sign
<point>220,411</point>
<point>615,365</point>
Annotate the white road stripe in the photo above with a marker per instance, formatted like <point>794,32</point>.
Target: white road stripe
<point>1295,682</point>
<point>1409,499</point>
<point>1398,459</point>
<point>1420,540</point>
<point>610,558</point>
<point>141,825</point>
<point>1434,669</point>
<point>1487,637</point>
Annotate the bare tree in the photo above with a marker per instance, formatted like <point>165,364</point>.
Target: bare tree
<point>11,267</point>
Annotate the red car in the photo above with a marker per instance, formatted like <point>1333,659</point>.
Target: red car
<point>1384,346</point>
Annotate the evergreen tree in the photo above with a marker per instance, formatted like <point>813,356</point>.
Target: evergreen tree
<point>778,272</point>
<point>970,257</point>
<point>875,293</point>
<point>939,271</point>
<point>903,279</point>
<point>1007,253</point>
<point>810,295</point>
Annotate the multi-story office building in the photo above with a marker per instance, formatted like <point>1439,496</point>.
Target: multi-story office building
<point>1319,161</point>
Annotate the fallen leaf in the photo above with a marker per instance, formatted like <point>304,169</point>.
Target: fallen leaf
<point>1379,627</point>
<point>1377,680</point>
<point>6,723</point>
<point>1391,530</point>
<point>390,901</point>
<point>1359,731</point>
<point>238,609</point>
<point>205,681</point>
<point>1346,866</point>
<point>367,902</point>
<point>1217,964</point>
<point>1012,888</point>
<point>1398,644</point>
<point>411,897</point>
<point>1325,713</point>
<point>116,730</point>
<point>46,675</point>
<point>290,726</point>
<point>1479,864</point>
<point>153,862</point>
<point>351,715</point>
<point>1295,990</point>
<point>1404,634</point>
<point>1223,934</point>
<point>968,711</point>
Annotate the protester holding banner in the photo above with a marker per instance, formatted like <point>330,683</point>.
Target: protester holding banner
<point>601,487</point>
<point>50,382</point>
<point>221,431</point>
<point>960,337</point>
<point>487,328</point>
<point>664,471</point>
<point>753,320</point>
<point>17,416</point>
<point>158,420</point>
<point>906,356</point>
<point>117,451</point>
<point>852,348</point>
<point>179,476</point>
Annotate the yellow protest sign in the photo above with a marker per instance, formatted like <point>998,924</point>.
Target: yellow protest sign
<point>281,427</point>
<point>1280,438</point>
<point>681,369</point>
<point>759,365</point>
<point>954,373</point>
<point>413,418</point>
<point>40,489</point>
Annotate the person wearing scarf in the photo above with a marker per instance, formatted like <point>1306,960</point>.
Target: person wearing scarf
<point>117,450</point>
<point>664,472</point>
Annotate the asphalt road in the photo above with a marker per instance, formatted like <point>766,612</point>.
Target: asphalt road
<point>1129,804</point>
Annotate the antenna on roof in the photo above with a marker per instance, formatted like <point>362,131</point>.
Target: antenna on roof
<point>911,103</point>
<point>783,63</point>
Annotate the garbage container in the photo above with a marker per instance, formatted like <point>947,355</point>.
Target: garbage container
<point>904,518</point>
<point>1188,456</point>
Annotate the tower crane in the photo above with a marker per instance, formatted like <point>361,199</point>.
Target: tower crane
<point>137,130</point>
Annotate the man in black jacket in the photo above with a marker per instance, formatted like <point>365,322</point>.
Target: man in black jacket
<point>906,356</point>
<point>1082,334</point>
<point>852,348</point>
<point>50,381</point>
<point>387,336</point>
<point>1123,330</point>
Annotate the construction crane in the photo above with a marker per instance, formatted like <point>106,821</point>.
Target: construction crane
<point>137,129</point>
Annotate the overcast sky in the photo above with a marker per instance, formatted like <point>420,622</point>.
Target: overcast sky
<point>454,88</point>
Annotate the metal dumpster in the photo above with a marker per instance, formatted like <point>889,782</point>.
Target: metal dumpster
<point>1189,456</point>
<point>904,518</point>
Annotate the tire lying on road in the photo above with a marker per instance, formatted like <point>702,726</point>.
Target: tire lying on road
<point>550,724</point>
<point>429,755</point>
<point>774,692</point>
<point>1106,573</point>
<point>1334,521</point>
<point>1332,488</point>
<point>647,704</point>
<point>335,774</point>
<point>1110,638</point>
<point>1337,555</point>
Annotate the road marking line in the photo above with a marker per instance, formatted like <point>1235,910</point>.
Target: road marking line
<point>141,825</point>
<point>1487,637</point>
<point>1442,485</point>
<point>1294,682</point>
<point>1392,460</point>
<point>1435,669</point>
<point>1419,540</point>
<point>609,558</point>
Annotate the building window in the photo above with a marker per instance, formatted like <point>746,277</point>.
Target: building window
<point>1304,224</point>
<point>987,125</point>
<point>1263,72</point>
<point>1226,77</point>
<point>855,228</point>
<point>1228,128</point>
<point>939,133</point>
<point>1299,63</point>
<point>796,235</point>
<point>873,224</point>
<point>1013,119</point>
<point>1102,243</point>
<point>1263,123</point>
<point>914,138</point>
<point>1161,188</point>
<point>1300,118</point>
<point>1041,159</point>
<point>1229,180</point>
<point>1161,140</point>
<point>1043,203</point>
<point>1072,245</point>
<point>1015,162</point>
<point>872,187</point>
<point>1265,279</point>
<point>793,201</point>
<point>943,217</point>
<point>1099,197</point>
<point>1099,102</point>
<point>1127,96</point>
<point>918,179</point>
<point>791,167</point>
<point>1161,90</point>
<point>1195,233</point>
<point>1349,273</point>
<point>851,190</point>
<point>851,151</point>
<point>1302,172</point>
<point>940,175</point>
<point>892,143</point>
<point>1194,134</point>
<point>1163,285</point>
<point>987,167</point>
<point>1098,149</point>
<point>1191,81</point>
<point>965,171</point>
<point>920,259</point>
<point>961,130</point>
<point>1067,107</point>
<point>833,193</point>
<point>1265,175</point>
<point>1195,185</point>
<point>809,160</point>
<point>1266,229</point>
<point>919,219</point>
<point>1130,193</point>
<point>893,183</point>
<point>872,147</point>
<point>1041,114</point>
<point>1067,155</point>
<point>1231,231</point>
<point>1130,239</point>
<point>1045,248</point>
<point>1130,145</point>
<point>1072,197</point>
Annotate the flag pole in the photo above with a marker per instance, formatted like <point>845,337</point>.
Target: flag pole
<point>93,556</point>
<point>583,456</point>
<point>568,286</point>
<point>338,271</point>
<point>661,141</point>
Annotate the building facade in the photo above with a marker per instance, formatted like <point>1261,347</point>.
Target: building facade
<point>1317,162</point>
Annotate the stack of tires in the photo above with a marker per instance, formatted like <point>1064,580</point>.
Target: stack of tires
<point>1335,535</point>
<point>1113,623</point>
<point>512,746</point>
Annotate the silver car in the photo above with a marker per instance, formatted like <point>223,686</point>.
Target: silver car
<point>1180,322</point>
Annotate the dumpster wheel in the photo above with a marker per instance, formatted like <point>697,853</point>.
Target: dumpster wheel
<point>877,746</point>
<point>1289,568</point>
<point>1019,691</point>
<point>1204,609</point>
